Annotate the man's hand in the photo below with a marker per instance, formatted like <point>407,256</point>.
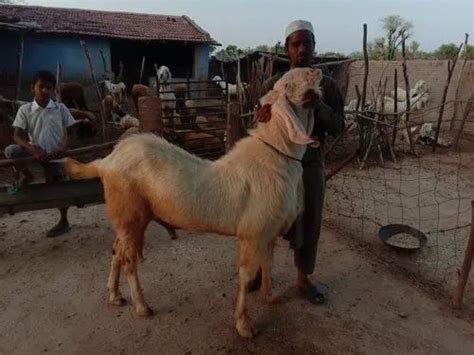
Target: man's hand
<point>264,114</point>
<point>39,153</point>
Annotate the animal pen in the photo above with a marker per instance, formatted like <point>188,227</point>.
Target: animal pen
<point>383,170</point>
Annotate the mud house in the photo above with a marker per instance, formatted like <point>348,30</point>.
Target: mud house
<point>52,35</point>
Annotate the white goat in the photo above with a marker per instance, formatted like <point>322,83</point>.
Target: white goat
<point>418,94</point>
<point>254,192</point>
<point>168,97</point>
<point>117,91</point>
<point>232,87</point>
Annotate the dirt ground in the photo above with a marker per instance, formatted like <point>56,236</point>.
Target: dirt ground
<point>53,298</point>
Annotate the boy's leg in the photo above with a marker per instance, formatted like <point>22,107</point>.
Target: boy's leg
<point>53,173</point>
<point>22,174</point>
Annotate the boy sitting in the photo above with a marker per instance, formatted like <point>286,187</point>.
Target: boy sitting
<point>42,129</point>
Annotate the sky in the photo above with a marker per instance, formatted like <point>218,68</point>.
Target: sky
<point>338,23</point>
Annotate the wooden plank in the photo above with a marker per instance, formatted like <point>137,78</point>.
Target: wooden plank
<point>52,195</point>
<point>73,152</point>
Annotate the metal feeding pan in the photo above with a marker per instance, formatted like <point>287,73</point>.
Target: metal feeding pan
<point>402,237</point>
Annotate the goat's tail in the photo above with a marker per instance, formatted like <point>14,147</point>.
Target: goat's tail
<point>77,170</point>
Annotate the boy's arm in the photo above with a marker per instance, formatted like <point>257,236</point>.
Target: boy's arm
<point>21,138</point>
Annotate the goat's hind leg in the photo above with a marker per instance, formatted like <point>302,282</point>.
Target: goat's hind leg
<point>115,297</point>
<point>266,265</point>
<point>130,254</point>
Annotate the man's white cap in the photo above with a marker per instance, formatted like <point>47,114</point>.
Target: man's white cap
<point>297,26</point>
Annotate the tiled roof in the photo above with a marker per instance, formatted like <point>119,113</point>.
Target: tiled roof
<point>125,25</point>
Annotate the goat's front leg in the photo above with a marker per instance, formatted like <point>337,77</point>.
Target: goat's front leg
<point>247,271</point>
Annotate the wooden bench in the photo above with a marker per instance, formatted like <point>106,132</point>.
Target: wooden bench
<point>62,194</point>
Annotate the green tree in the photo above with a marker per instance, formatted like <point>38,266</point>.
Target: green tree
<point>446,51</point>
<point>396,29</point>
<point>356,55</point>
<point>470,52</point>
<point>333,54</point>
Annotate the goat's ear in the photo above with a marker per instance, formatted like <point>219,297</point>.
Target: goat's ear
<point>289,88</point>
<point>270,98</point>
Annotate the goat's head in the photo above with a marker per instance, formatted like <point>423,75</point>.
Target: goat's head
<point>293,98</point>
<point>164,74</point>
<point>420,86</point>
<point>300,86</point>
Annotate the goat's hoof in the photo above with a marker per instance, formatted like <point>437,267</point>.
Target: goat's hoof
<point>117,301</point>
<point>144,311</point>
<point>244,329</point>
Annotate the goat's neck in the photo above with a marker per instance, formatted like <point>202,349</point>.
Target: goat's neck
<point>275,133</point>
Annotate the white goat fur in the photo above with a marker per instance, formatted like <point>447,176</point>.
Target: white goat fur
<point>117,91</point>
<point>419,89</point>
<point>232,87</point>
<point>168,106</point>
<point>253,192</point>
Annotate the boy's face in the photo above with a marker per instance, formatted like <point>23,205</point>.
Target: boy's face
<point>43,92</point>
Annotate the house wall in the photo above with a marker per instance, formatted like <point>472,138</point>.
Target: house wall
<point>201,62</point>
<point>43,52</point>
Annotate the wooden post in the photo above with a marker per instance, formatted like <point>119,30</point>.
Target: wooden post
<point>20,65</point>
<point>451,66</point>
<point>467,111</point>
<point>234,128</point>
<point>456,95</point>
<point>141,71</point>
<point>395,108</point>
<point>407,97</point>
<point>157,80</point>
<point>103,62</point>
<point>466,266</point>
<point>96,87</point>
<point>366,67</point>
<point>188,87</point>
<point>120,75</point>
<point>58,83</point>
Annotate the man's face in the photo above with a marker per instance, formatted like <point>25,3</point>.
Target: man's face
<point>300,48</point>
<point>43,92</point>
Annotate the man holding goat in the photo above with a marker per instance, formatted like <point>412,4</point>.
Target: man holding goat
<point>329,119</point>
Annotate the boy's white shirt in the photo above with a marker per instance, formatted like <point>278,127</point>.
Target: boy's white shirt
<point>45,126</point>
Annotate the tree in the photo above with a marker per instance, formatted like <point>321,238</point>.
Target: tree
<point>333,54</point>
<point>10,2</point>
<point>446,51</point>
<point>376,49</point>
<point>356,55</point>
<point>396,29</point>
<point>470,52</point>
<point>263,48</point>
